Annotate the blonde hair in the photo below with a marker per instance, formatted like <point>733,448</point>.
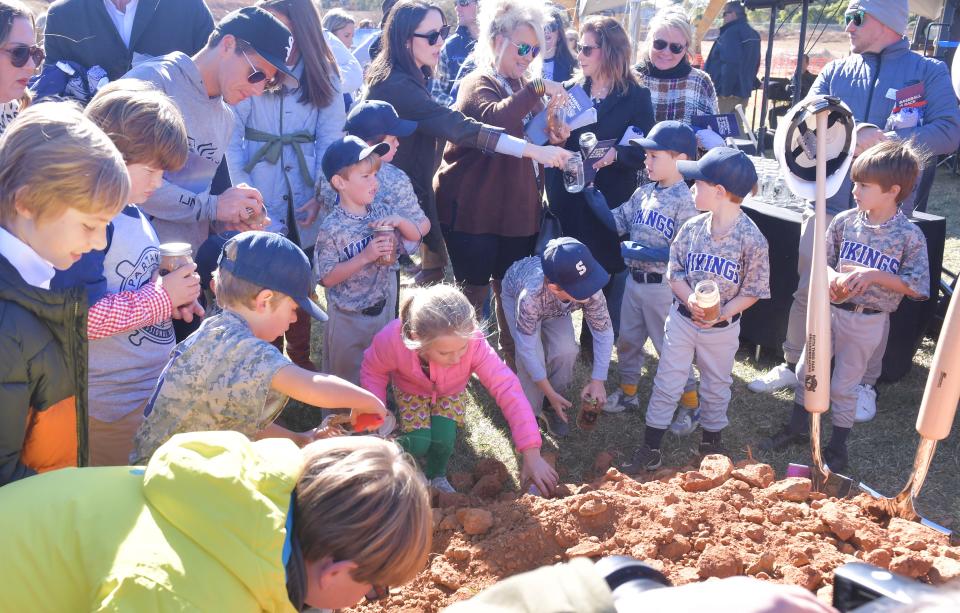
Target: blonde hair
<point>502,18</point>
<point>889,163</point>
<point>615,51</point>
<point>363,499</point>
<point>142,122</point>
<point>670,18</point>
<point>232,291</point>
<point>52,159</point>
<point>371,163</point>
<point>431,312</point>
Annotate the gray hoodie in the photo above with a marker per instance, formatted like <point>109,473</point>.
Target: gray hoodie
<point>182,208</point>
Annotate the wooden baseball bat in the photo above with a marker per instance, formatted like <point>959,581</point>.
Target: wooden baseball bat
<point>940,396</point>
<point>816,383</point>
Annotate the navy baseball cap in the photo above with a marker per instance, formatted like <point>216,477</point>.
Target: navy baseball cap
<point>568,263</point>
<point>724,166</point>
<point>372,118</point>
<point>273,262</point>
<point>347,151</point>
<point>670,136</point>
<point>268,37</point>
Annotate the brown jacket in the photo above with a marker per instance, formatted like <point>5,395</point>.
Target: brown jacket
<point>490,194</point>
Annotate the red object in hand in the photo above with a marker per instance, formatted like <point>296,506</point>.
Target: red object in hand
<point>367,421</point>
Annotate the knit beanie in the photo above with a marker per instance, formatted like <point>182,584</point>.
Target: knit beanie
<point>891,13</point>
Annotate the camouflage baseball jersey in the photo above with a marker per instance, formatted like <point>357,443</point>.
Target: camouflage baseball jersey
<point>343,236</point>
<point>395,192</point>
<point>738,261</point>
<point>217,379</point>
<point>652,217</point>
<point>896,246</point>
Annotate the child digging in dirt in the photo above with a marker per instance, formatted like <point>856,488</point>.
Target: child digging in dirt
<point>429,354</point>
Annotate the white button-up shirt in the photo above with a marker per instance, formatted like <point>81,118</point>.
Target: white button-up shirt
<point>122,21</point>
<point>34,269</point>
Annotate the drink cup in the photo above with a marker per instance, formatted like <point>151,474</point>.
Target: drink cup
<point>389,259</point>
<point>573,179</point>
<point>708,299</point>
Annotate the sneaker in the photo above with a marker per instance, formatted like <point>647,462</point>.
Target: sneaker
<point>706,449</point>
<point>441,484</point>
<point>783,439</point>
<point>866,403</point>
<point>775,379</point>
<point>618,402</point>
<point>835,460</point>
<point>553,424</point>
<point>685,422</point>
<point>644,458</point>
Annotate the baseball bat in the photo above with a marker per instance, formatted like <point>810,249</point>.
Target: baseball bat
<point>816,384</point>
<point>940,396</point>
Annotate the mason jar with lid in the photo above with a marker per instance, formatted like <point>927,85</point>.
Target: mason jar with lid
<point>173,256</point>
<point>389,259</point>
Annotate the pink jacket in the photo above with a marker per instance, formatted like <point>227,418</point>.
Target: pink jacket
<point>388,359</point>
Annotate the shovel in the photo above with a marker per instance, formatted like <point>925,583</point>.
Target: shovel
<point>937,410</point>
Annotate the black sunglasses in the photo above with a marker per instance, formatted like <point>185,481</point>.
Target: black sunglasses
<point>856,17</point>
<point>523,49</point>
<point>258,75</point>
<point>435,35</point>
<point>21,53</point>
<point>586,50</point>
<point>675,48</point>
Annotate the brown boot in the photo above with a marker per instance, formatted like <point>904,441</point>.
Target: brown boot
<point>507,346</point>
<point>477,295</point>
<point>298,341</point>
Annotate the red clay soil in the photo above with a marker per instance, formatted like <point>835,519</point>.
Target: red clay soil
<point>718,521</point>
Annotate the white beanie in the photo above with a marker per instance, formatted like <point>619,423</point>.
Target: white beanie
<point>891,13</point>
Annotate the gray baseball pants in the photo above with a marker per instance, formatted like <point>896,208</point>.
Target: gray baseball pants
<point>713,350</point>
<point>854,339</point>
<point>348,334</point>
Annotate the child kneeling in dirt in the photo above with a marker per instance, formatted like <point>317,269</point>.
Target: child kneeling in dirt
<point>217,523</point>
<point>429,354</point>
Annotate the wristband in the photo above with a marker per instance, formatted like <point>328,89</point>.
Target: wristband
<point>538,87</point>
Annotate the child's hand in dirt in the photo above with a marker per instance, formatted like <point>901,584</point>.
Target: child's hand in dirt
<point>537,471</point>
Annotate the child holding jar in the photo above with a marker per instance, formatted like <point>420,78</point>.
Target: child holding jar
<point>718,255</point>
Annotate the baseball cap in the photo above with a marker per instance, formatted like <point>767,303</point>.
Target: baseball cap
<point>669,135</point>
<point>372,118</point>
<point>724,166</point>
<point>347,151</point>
<point>795,145</point>
<point>568,263</point>
<point>268,37</point>
<point>273,262</point>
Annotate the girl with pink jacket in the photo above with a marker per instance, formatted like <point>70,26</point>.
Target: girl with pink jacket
<point>429,354</point>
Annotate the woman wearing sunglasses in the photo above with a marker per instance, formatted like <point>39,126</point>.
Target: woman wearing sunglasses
<point>490,224</point>
<point>558,60</point>
<point>604,53</point>
<point>280,137</point>
<point>678,90</point>
<point>23,57</point>
<point>413,36</point>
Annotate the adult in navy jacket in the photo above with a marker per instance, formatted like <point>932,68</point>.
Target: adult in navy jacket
<point>734,59</point>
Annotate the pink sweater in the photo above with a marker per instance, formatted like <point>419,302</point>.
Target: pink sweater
<point>388,359</point>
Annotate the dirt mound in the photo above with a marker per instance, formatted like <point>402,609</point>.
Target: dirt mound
<point>718,521</point>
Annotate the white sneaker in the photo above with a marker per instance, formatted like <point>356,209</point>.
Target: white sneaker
<point>774,379</point>
<point>866,403</point>
<point>441,484</point>
<point>685,422</point>
<point>618,402</point>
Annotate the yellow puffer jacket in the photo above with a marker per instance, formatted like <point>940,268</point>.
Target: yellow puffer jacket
<point>202,528</point>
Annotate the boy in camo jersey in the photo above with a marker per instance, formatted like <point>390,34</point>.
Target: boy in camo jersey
<point>227,375</point>
<point>724,246</point>
<point>361,292</point>
<point>875,257</point>
<point>652,217</point>
<point>539,295</point>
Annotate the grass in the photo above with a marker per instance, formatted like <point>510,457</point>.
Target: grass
<point>881,452</point>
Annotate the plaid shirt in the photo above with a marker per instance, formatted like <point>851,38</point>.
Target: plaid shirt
<point>454,52</point>
<point>130,310</point>
<point>681,99</point>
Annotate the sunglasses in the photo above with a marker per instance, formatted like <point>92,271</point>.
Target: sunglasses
<point>435,35</point>
<point>856,17</point>
<point>675,48</point>
<point>258,76</point>
<point>586,50</point>
<point>20,54</point>
<point>464,3</point>
<point>524,49</point>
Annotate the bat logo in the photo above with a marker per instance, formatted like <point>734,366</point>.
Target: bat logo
<point>810,382</point>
